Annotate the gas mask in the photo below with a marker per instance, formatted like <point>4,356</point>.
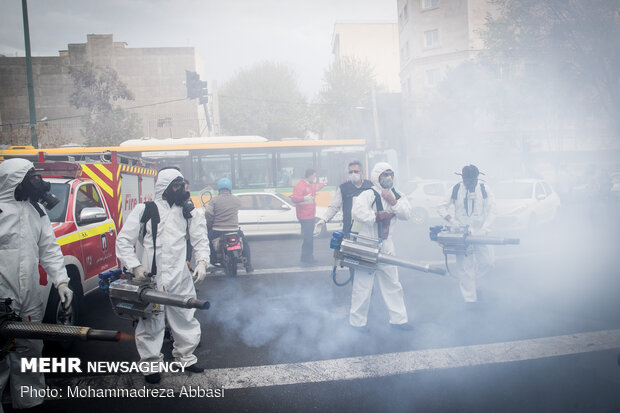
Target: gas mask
<point>355,178</point>
<point>179,197</point>
<point>470,177</point>
<point>387,182</point>
<point>35,189</point>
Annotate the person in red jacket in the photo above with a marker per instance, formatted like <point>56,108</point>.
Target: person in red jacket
<point>303,197</point>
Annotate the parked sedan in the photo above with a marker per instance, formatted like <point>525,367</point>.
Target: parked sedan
<point>524,203</point>
<point>267,213</point>
<point>425,196</point>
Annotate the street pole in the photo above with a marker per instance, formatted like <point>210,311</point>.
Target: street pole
<point>33,113</point>
<point>375,118</point>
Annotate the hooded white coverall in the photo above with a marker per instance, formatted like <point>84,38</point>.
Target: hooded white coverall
<point>26,238</point>
<point>479,215</point>
<point>173,276</point>
<point>363,212</point>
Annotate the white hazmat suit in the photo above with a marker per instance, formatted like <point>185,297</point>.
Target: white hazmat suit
<point>479,215</point>
<point>173,276</point>
<point>26,239</point>
<point>363,212</point>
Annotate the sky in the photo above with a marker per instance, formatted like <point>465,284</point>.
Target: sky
<point>228,35</point>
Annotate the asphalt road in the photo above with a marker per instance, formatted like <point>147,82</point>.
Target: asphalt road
<point>542,339</point>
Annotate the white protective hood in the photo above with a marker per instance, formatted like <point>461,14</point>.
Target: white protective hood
<point>164,178</point>
<point>12,173</point>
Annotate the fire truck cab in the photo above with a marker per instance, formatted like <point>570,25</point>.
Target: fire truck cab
<point>94,198</point>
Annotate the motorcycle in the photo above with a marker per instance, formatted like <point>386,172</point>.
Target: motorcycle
<point>228,249</point>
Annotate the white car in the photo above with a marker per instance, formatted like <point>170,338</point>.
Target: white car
<point>425,196</point>
<point>271,213</point>
<point>524,204</point>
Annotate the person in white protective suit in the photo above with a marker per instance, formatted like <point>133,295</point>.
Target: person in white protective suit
<point>173,275</point>
<point>373,212</point>
<point>473,205</point>
<point>26,239</point>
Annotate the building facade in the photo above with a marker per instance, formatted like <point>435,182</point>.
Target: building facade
<point>156,77</point>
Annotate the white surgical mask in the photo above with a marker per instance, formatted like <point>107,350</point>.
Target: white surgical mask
<point>355,178</point>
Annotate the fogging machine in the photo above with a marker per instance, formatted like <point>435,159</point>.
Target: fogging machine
<point>363,253</point>
<point>12,327</point>
<point>459,241</point>
<point>134,300</point>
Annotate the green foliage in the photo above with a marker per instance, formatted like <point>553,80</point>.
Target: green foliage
<point>96,90</point>
<point>263,100</point>
<point>346,100</point>
<point>566,49</point>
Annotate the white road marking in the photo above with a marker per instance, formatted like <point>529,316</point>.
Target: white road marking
<point>355,368</point>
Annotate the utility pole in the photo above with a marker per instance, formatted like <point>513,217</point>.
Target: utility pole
<point>375,117</point>
<point>33,113</point>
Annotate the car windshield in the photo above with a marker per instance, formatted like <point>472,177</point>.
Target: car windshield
<point>513,190</point>
<point>61,191</point>
<point>284,198</point>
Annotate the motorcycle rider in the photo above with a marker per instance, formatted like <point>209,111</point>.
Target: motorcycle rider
<point>177,218</point>
<point>27,239</point>
<point>474,206</point>
<point>373,212</point>
<point>222,213</point>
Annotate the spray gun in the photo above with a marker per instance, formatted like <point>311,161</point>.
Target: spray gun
<point>360,252</point>
<point>12,327</point>
<point>459,241</point>
<point>133,299</point>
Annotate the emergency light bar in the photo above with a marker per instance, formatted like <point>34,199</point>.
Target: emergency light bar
<point>58,169</point>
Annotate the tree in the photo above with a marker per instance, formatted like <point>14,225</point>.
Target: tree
<point>346,99</point>
<point>96,90</point>
<point>263,100</point>
<point>567,48</point>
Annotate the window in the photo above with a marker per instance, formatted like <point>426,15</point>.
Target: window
<point>291,167</point>
<point>433,77</point>
<point>246,202</point>
<point>539,190</point>
<point>268,202</point>
<point>86,197</point>
<point>208,169</point>
<point>431,38</point>
<point>61,191</point>
<point>430,4</point>
<point>547,188</point>
<point>254,170</point>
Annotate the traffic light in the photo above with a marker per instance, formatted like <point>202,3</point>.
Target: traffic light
<point>196,88</point>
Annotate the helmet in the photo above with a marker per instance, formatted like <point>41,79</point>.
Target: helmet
<point>224,183</point>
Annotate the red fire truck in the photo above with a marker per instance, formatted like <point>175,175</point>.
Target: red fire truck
<point>95,193</point>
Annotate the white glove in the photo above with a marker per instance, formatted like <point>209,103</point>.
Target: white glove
<point>139,273</point>
<point>200,272</point>
<point>308,198</point>
<point>318,227</point>
<point>65,293</point>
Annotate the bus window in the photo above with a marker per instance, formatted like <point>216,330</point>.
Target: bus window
<point>208,169</point>
<point>253,171</point>
<point>291,167</point>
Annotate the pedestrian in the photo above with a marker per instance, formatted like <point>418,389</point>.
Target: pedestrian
<point>27,240</point>
<point>472,205</point>
<point>304,195</point>
<point>164,257</point>
<point>373,213</point>
<point>343,198</point>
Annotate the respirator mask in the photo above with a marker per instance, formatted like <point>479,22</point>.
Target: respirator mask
<point>35,189</point>
<point>179,196</point>
<point>386,180</point>
<point>355,178</point>
<point>470,177</point>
